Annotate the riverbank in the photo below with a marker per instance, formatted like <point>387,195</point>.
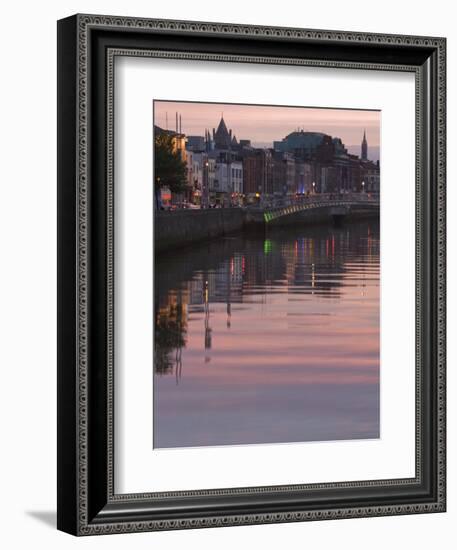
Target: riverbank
<point>184,227</point>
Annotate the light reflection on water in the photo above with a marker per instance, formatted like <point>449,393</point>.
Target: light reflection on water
<point>268,339</point>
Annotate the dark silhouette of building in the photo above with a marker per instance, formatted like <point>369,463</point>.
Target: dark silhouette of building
<point>222,137</point>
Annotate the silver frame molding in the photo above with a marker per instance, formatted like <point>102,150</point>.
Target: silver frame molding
<point>87,502</point>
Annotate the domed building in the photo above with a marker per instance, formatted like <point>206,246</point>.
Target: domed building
<point>305,144</point>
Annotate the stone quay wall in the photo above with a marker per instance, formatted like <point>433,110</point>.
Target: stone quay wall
<point>183,227</point>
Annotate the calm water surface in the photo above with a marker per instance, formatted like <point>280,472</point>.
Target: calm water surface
<point>268,339</point>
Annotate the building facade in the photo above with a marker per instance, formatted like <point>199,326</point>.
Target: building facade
<point>222,170</point>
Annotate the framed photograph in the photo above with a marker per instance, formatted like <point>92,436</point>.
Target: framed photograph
<point>251,274</point>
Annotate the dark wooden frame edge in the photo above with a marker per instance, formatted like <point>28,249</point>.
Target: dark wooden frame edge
<point>86,503</point>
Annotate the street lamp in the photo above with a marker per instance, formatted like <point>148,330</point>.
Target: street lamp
<point>314,187</point>
<point>363,186</point>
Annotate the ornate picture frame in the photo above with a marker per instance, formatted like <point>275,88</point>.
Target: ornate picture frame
<point>87,47</point>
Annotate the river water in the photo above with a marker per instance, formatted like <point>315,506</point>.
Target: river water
<point>268,338</point>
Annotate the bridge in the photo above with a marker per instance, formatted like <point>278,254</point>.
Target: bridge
<point>315,208</point>
<point>184,227</point>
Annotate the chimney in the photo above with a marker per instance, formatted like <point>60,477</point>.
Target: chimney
<point>180,125</point>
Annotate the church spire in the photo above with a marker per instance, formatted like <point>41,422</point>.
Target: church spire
<point>364,146</point>
<point>222,137</point>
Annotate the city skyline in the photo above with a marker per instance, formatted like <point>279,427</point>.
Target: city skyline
<point>264,124</point>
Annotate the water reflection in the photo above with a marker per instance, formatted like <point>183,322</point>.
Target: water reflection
<point>262,339</point>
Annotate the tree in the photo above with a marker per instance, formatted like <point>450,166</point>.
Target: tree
<point>170,170</point>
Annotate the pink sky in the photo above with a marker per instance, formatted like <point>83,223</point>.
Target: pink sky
<point>265,124</point>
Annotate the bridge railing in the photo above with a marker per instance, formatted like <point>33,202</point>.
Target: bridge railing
<point>319,199</point>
